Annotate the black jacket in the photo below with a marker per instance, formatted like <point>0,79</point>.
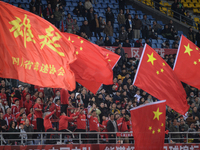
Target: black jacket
<point>110,126</point>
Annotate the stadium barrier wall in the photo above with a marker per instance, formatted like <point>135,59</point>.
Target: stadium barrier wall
<point>97,147</point>
<point>136,52</point>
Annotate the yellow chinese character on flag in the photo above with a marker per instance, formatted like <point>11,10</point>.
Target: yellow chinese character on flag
<point>44,68</point>
<point>36,66</point>
<point>28,63</point>
<point>24,32</point>
<point>52,69</point>
<point>15,60</point>
<point>61,71</point>
<point>50,42</point>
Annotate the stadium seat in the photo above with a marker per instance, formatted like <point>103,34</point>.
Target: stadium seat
<point>158,45</point>
<point>160,41</point>
<point>153,41</point>
<point>116,26</point>
<point>171,41</point>
<point>153,45</point>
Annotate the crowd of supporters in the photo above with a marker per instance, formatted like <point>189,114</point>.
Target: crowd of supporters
<point>28,108</point>
<point>131,30</point>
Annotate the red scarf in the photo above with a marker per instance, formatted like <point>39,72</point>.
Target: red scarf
<point>71,21</point>
<point>48,13</point>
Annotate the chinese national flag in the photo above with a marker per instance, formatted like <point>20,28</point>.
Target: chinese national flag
<point>33,50</point>
<point>91,64</point>
<point>113,58</point>
<point>187,63</point>
<point>156,77</point>
<point>148,124</point>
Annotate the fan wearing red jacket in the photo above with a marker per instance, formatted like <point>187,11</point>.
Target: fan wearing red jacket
<point>15,108</point>
<point>81,122</point>
<point>104,123</point>
<point>48,125</point>
<point>8,117</point>
<point>64,98</point>
<point>24,93</point>
<point>63,123</point>
<point>19,115</point>
<point>38,112</point>
<point>94,124</point>
<point>32,118</point>
<point>3,96</point>
<point>57,115</point>
<point>28,104</point>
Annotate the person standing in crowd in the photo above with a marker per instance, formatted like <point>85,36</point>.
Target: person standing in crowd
<point>39,115</point>
<point>28,128</point>
<point>191,35</point>
<point>137,26</point>
<point>109,16</point>
<point>121,18</point>
<point>81,122</point>
<point>112,127</point>
<point>63,123</point>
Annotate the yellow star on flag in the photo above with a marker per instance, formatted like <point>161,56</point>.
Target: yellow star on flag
<point>157,114</point>
<point>153,131</point>
<point>151,58</point>
<point>195,62</point>
<point>158,130</point>
<point>157,72</point>
<point>76,52</point>
<point>163,64</point>
<point>162,124</point>
<point>150,128</point>
<point>81,48</point>
<point>109,60</point>
<point>188,49</point>
<point>199,60</point>
<point>197,48</point>
<point>161,70</point>
<point>81,41</point>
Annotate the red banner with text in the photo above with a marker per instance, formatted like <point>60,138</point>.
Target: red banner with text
<point>137,52</point>
<point>98,147</point>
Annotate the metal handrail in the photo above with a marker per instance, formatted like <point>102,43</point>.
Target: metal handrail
<point>78,138</point>
<point>181,18</point>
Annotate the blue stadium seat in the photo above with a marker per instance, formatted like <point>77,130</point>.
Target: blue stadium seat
<point>74,4</point>
<point>160,36</point>
<point>81,19</point>
<point>96,9</point>
<point>115,6</point>
<point>153,41</point>
<point>139,12</point>
<point>132,12</point>
<point>143,40</point>
<point>98,5</point>
<point>93,38</point>
<point>68,4</point>
<point>180,32</point>
<point>171,41</point>
<point>160,41</point>
<point>153,45</point>
<point>117,35</point>
<point>71,8</point>
<point>104,5</point>
<point>158,45</point>
<point>128,7</point>
<point>101,14</point>
<point>161,23</point>
<point>102,10</point>
<point>116,26</point>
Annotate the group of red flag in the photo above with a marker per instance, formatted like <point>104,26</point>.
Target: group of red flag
<point>46,57</point>
<point>156,77</point>
<point>36,52</point>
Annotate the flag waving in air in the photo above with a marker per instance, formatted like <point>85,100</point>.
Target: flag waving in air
<point>91,64</point>
<point>187,63</point>
<point>151,133</point>
<point>33,50</point>
<point>156,77</point>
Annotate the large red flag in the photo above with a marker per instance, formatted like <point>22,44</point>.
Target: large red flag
<point>156,77</point>
<point>113,58</point>
<point>187,63</point>
<point>148,124</point>
<point>91,64</point>
<point>33,50</point>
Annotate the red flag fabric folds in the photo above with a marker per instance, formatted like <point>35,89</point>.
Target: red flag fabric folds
<point>156,77</point>
<point>148,124</point>
<point>92,64</point>
<point>33,50</point>
<point>187,63</point>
